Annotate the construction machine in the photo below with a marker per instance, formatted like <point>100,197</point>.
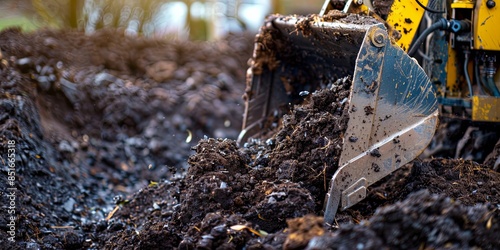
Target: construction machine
<point>409,60</point>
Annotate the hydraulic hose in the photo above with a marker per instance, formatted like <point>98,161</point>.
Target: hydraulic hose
<point>442,24</point>
<point>429,9</point>
<point>491,85</point>
<point>488,76</point>
<point>466,72</point>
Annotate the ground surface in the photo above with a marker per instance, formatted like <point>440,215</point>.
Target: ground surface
<point>110,153</point>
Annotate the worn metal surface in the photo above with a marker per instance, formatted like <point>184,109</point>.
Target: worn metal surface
<point>486,21</point>
<point>393,116</point>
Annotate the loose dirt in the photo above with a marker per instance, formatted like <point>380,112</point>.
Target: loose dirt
<point>128,143</point>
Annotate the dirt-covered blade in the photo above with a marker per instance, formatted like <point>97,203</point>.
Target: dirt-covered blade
<point>393,114</point>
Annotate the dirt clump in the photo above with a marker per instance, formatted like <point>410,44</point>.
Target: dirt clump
<point>302,230</point>
<point>421,220</point>
<point>382,7</point>
<point>309,144</point>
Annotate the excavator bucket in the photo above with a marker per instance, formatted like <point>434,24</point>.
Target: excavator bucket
<point>393,111</point>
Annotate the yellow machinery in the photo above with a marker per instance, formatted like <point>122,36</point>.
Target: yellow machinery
<point>466,74</point>
<point>456,46</point>
<point>479,57</point>
<point>461,52</point>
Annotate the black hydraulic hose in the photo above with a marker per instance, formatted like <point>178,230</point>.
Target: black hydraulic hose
<point>442,24</point>
<point>429,9</point>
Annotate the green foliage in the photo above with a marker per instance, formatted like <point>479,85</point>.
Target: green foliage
<point>194,19</point>
<point>136,17</point>
<point>17,21</point>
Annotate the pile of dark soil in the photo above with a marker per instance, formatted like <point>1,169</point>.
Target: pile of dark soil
<point>128,143</point>
<point>98,117</point>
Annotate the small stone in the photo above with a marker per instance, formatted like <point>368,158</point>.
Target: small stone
<point>65,146</point>
<point>69,205</point>
<point>156,206</point>
<point>24,64</point>
<point>104,78</point>
<point>44,82</point>
<point>70,91</point>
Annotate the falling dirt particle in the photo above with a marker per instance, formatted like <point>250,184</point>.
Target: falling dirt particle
<point>189,137</point>
<point>369,110</point>
<point>488,223</point>
<point>304,93</point>
<point>375,153</point>
<point>385,118</point>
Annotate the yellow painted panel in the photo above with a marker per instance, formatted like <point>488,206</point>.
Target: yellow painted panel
<point>462,5</point>
<point>452,78</point>
<point>405,18</point>
<point>486,31</point>
<point>486,108</point>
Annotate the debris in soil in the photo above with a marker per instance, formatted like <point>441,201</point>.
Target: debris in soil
<point>382,7</point>
<point>100,125</point>
<point>308,146</point>
<point>462,139</point>
<point>423,220</point>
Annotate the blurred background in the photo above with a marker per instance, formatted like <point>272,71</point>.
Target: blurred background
<point>187,19</point>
